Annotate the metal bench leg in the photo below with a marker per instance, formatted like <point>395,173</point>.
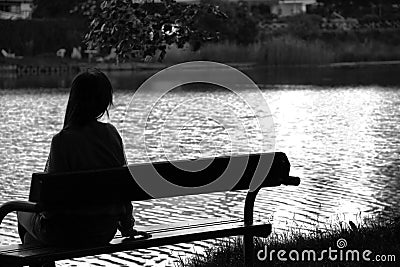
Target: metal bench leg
<point>248,220</point>
<point>248,250</point>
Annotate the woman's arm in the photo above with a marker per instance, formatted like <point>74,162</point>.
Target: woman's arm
<point>56,161</point>
<point>127,221</point>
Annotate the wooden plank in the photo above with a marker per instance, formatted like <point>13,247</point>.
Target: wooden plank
<point>153,229</point>
<point>187,224</point>
<point>170,234</point>
<point>117,184</point>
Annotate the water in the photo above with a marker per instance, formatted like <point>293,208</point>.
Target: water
<point>342,140</point>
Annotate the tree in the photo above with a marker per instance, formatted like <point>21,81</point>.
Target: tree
<point>304,26</point>
<point>241,25</point>
<point>54,8</point>
<point>131,26</point>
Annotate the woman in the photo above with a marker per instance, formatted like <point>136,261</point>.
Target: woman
<point>84,143</point>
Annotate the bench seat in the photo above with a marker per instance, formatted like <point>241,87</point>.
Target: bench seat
<point>169,234</point>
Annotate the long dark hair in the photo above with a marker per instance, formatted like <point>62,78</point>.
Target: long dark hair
<point>90,97</point>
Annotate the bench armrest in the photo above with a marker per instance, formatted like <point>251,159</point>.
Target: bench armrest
<point>17,206</point>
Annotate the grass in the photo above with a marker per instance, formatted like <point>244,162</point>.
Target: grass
<point>378,236</point>
<point>368,51</point>
<point>288,50</point>
<point>278,51</point>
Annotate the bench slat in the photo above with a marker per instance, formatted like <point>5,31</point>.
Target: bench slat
<point>161,235</point>
<point>117,184</point>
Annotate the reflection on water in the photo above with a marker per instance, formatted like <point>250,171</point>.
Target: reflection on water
<point>342,141</point>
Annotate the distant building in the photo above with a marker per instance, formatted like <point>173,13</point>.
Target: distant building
<point>16,9</point>
<point>291,7</point>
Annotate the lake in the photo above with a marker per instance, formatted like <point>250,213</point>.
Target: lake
<point>339,127</point>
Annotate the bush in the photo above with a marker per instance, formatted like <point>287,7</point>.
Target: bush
<point>240,26</point>
<point>304,25</point>
<point>38,36</point>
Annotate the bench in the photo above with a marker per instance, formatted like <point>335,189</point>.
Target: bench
<point>249,172</point>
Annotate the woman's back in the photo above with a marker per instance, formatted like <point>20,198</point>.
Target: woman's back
<point>95,145</point>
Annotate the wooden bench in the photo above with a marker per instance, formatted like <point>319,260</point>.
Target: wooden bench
<point>99,186</point>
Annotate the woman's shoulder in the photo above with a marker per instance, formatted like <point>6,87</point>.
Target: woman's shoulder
<point>109,126</point>
<point>59,136</point>
<point>63,137</point>
<point>93,125</point>
<point>113,131</point>
<point>94,129</point>
<point>65,133</point>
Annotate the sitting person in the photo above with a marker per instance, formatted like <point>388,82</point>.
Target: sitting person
<point>84,143</point>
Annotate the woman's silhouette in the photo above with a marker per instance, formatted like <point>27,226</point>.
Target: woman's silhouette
<point>84,143</point>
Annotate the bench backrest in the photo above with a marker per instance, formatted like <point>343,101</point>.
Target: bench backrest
<point>118,184</point>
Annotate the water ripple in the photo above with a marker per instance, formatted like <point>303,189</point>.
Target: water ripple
<point>343,143</point>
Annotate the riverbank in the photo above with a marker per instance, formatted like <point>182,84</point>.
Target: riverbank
<point>51,65</point>
<point>374,243</point>
<point>32,66</point>
<point>29,67</point>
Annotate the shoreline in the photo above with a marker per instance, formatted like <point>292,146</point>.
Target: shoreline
<point>363,63</point>
<point>74,67</point>
<point>68,67</point>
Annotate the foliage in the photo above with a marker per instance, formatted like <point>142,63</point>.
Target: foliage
<point>240,26</point>
<point>304,25</point>
<point>86,8</point>
<point>131,26</point>
<point>209,23</point>
<point>54,8</point>
<point>41,36</point>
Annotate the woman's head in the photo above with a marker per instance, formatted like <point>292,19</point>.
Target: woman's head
<point>89,98</point>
